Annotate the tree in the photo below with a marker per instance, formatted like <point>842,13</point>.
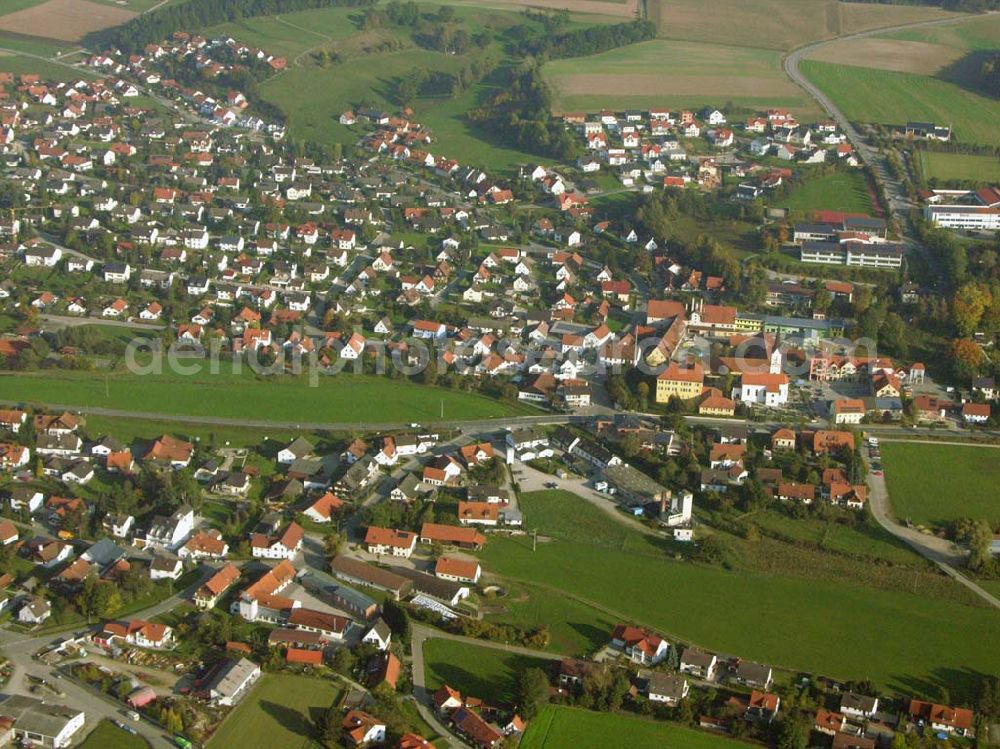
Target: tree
<point>791,734</point>
<point>968,306</point>
<point>642,390</point>
<point>398,620</point>
<point>333,544</point>
<point>532,692</point>
<point>966,358</point>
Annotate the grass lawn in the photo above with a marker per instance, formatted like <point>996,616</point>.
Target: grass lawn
<point>228,394</point>
<point>840,191</point>
<point>107,734</point>
<point>21,64</point>
<point>699,75</point>
<point>561,727</point>
<point>130,430</point>
<point>574,628</point>
<point>960,166</point>
<point>280,712</point>
<point>487,673</point>
<point>893,98</point>
<point>12,6</point>
<point>935,484</point>
<point>791,621</point>
<point>866,540</point>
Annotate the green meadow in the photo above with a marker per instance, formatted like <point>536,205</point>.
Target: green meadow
<point>892,98</point>
<point>281,398</point>
<point>936,484</point>
<point>758,611</point>
<point>560,727</point>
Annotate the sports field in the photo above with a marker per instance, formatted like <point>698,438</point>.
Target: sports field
<point>840,191</point>
<point>960,166</point>
<point>107,734</point>
<point>935,484</point>
<point>790,620</point>
<point>488,673</point>
<point>777,24</point>
<point>338,398</point>
<point>893,98</point>
<point>676,74</point>
<point>281,711</point>
<point>560,727</point>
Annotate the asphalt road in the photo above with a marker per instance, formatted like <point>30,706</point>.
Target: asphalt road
<point>19,649</point>
<point>945,554</point>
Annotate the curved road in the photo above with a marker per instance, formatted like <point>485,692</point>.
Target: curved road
<point>899,202</point>
<point>946,555</point>
<point>419,635</point>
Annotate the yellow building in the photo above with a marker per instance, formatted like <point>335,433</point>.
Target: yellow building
<point>683,382</point>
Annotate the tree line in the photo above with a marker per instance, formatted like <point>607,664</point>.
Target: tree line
<point>588,41</point>
<point>198,14</point>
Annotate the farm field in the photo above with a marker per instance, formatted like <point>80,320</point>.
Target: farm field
<point>699,75</point>
<point>340,398</point>
<point>960,166</point>
<point>778,24</point>
<point>889,54</point>
<point>64,20</point>
<point>840,191</point>
<point>976,33</point>
<point>108,734</point>
<point>892,98</point>
<point>280,712</point>
<point>560,727</point>
<point>806,618</point>
<point>935,484</point>
<point>488,673</point>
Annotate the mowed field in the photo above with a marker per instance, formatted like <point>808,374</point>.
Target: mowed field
<point>280,712</point>
<point>676,74</point>
<point>64,20</point>
<point>338,398</point>
<point>560,727</point>
<point>788,620</point>
<point>935,484</point>
<point>841,191</point>
<point>960,166</point>
<point>892,98</point>
<point>889,54</point>
<point>777,24</point>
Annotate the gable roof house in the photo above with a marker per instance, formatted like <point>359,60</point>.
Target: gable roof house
<point>639,644</point>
